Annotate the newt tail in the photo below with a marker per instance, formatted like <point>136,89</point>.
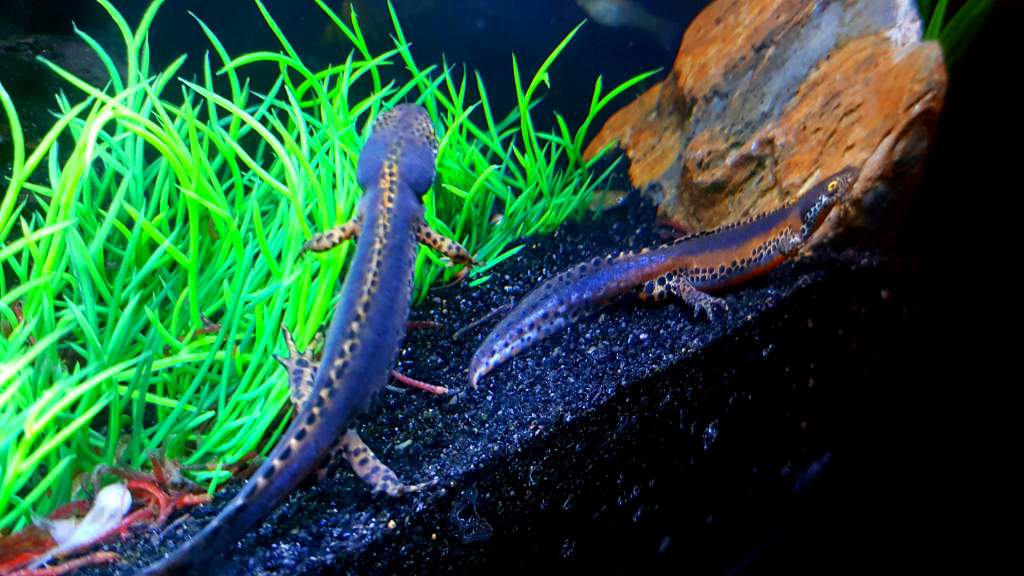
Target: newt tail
<point>396,166</point>
<point>688,268</point>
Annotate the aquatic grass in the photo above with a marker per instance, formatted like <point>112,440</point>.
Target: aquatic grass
<point>150,243</point>
<point>957,32</point>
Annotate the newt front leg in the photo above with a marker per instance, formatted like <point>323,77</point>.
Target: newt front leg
<point>444,245</point>
<point>426,235</point>
<point>333,237</point>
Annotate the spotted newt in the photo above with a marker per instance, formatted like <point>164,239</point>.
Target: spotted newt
<point>688,268</point>
<point>396,166</point>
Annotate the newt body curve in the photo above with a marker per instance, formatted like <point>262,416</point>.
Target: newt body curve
<point>689,268</point>
<point>396,166</point>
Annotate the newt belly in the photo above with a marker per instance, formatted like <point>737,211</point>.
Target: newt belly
<point>689,268</point>
<point>395,168</point>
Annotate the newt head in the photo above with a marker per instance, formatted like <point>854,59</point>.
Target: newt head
<point>403,137</point>
<point>816,204</point>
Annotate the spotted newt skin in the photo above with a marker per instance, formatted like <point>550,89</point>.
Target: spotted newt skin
<point>395,168</point>
<point>688,268</point>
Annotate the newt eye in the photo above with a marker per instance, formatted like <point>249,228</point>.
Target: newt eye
<point>833,185</point>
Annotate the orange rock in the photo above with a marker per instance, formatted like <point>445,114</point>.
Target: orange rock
<point>766,96</point>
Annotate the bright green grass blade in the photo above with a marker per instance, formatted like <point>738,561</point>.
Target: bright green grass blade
<point>962,28</point>
<point>17,163</point>
<point>936,20</point>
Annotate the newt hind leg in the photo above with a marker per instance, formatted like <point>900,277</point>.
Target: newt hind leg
<point>301,368</point>
<point>367,466</point>
<point>349,446</point>
<point>676,283</point>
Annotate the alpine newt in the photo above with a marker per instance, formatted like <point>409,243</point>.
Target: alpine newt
<point>396,167</point>
<point>688,268</point>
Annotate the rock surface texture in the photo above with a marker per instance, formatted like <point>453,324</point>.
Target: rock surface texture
<point>766,96</point>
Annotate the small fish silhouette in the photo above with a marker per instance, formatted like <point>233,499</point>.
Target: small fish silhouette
<point>629,14</point>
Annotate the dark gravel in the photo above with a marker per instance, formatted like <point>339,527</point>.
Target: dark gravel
<point>638,437</point>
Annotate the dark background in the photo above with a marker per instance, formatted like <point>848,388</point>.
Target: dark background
<point>482,34</point>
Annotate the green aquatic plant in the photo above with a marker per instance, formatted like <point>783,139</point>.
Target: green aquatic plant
<point>956,33</point>
<point>150,242</point>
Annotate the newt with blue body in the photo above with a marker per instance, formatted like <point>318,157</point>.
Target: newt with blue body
<point>396,167</point>
<point>688,268</point>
